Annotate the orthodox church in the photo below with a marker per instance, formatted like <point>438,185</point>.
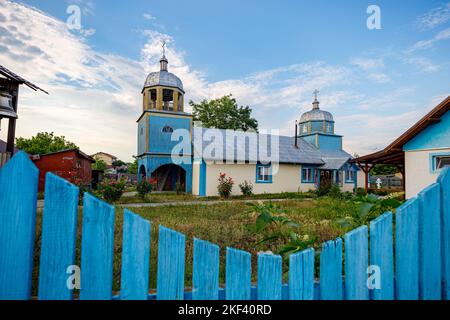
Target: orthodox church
<point>311,157</point>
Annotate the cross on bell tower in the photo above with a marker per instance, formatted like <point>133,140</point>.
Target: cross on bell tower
<point>316,102</point>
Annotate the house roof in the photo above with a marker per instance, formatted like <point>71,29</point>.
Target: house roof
<point>81,153</point>
<point>106,154</point>
<point>393,153</point>
<point>242,149</point>
<point>12,76</point>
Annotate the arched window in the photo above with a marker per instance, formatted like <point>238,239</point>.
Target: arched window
<point>167,129</point>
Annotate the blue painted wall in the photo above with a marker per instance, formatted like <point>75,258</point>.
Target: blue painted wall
<point>325,141</point>
<point>435,136</point>
<point>142,136</point>
<point>160,142</point>
<point>202,177</point>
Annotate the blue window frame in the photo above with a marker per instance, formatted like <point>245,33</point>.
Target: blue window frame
<point>308,174</point>
<point>263,173</point>
<point>349,176</point>
<point>439,161</point>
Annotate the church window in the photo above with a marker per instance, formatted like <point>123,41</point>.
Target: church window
<point>307,175</point>
<point>349,176</point>
<point>167,100</point>
<point>263,173</point>
<point>152,100</point>
<point>167,129</point>
<point>305,128</point>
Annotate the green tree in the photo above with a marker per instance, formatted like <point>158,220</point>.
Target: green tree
<point>133,167</point>
<point>99,164</point>
<point>224,113</point>
<point>384,169</point>
<point>44,142</point>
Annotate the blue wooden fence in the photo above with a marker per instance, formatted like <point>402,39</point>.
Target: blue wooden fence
<point>420,268</point>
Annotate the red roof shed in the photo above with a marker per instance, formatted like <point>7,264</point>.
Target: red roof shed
<point>72,165</point>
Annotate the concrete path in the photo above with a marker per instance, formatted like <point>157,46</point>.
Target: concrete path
<point>40,203</point>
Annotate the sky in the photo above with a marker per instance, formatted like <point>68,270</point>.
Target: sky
<point>271,55</point>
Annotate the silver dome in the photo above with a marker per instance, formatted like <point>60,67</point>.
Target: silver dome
<point>163,78</point>
<point>316,115</point>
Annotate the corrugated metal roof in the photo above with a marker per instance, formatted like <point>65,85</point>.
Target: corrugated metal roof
<point>12,76</point>
<point>334,159</point>
<point>246,146</point>
<point>163,78</point>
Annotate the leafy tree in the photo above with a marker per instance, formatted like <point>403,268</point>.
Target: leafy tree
<point>224,113</point>
<point>133,167</point>
<point>44,142</point>
<point>384,169</point>
<point>118,163</point>
<point>99,164</point>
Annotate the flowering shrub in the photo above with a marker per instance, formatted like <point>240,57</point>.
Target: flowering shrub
<point>143,188</point>
<point>225,185</point>
<point>111,190</point>
<point>246,188</point>
<point>80,183</point>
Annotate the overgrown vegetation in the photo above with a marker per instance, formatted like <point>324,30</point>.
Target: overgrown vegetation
<point>44,142</point>
<point>246,188</point>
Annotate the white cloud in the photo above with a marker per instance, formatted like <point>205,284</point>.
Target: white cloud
<point>434,17</point>
<point>425,44</point>
<point>148,16</point>
<point>367,63</point>
<point>423,64</point>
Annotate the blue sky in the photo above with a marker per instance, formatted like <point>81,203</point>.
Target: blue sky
<point>270,55</point>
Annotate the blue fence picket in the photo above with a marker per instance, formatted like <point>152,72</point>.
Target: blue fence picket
<point>97,249</point>
<point>171,260</point>
<point>444,181</point>
<point>205,278</point>
<point>331,270</point>
<point>59,236</point>
<point>430,243</point>
<point>269,277</point>
<point>382,257</point>
<point>135,257</point>
<point>407,251</point>
<point>18,197</point>
<point>301,275</point>
<point>356,264</point>
<point>238,275</point>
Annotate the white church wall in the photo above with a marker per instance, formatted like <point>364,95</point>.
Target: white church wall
<point>287,179</point>
<point>196,178</point>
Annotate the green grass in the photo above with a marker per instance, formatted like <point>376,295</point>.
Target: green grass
<point>184,197</point>
<point>226,224</point>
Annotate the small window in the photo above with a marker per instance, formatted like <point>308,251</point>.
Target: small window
<point>307,175</point>
<point>142,131</point>
<point>349,176</point>
<point>305,128</point>
<point>167,129</point>
<point>440,161</point>
<point>263,174</point>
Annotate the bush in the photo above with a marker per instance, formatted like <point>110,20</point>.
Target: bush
<point>111,190</point>
<point>361,192</point>
<point>225,185</point>
<point>246,188</point>
<point>335,192</point>
<point>143,188</point>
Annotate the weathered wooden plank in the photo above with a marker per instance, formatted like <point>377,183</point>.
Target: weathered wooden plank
<point>301,275</point>
<point>382,257</point>
<point>18,198</point>
<point>444,181</point>
<point>171,260</point>
<point>407,251</point>
<point>97,249</point>
<point>205,279</point>
<point>356,264</point>
<point>269,276</point>
<point>238,275</point>
<point>430,243</point>
<point>135,257</point>
<point>59,235</point>
<point>331,270</point>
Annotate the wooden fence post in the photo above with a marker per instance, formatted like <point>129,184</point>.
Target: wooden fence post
<point>444,181</point>
<point>238,275</point>
<point>59,236</point>
<point>205,280</point>
<point>382,256</point>
<point>356,264</point>
<point>135,257</point>
<point>331,270</point>
<point>18,197</point>
<point>269,277</point>
<point>170,273</point>
<point>301,275</point>
<point>430,243</point>
<point>97,249</point>
<point>407,251</point>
